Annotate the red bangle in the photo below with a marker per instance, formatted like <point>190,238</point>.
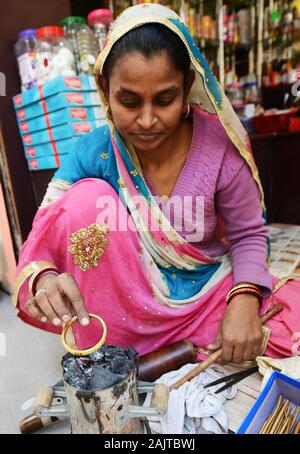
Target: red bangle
<point>250,291</point>
<point>36,276</point>
<point>243,286</point>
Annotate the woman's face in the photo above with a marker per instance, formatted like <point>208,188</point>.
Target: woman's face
<point>146,97</point>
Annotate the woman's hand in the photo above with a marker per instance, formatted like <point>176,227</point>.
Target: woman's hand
<point>240,333</point>
<point>57,300</point>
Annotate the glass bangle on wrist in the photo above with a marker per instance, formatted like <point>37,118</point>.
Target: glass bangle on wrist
<point>248,292</point>
<point>244,288</point>
<point>245,285</point>
<point>37,275</point>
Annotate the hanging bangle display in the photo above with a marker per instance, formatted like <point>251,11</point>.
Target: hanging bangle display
<point>89,350</point>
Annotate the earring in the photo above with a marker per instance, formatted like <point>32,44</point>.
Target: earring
<point>188,108</point>
<point>108,112</point>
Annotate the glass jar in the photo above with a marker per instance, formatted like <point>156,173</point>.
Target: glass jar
<point>252,92</point>
<point>100,20</point>
<point>84,43</point>
<point>54,54</point>
<point>25,54</point>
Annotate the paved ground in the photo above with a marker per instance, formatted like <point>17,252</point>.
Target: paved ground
<point>32,360</point>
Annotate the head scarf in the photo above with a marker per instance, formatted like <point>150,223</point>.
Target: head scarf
<point>205,92</point>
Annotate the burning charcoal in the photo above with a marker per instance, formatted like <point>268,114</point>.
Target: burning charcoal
<point>103,378</point>
<point>106,367</point>
<point>97,356</point>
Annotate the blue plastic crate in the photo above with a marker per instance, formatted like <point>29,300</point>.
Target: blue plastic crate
<point>278,384</point>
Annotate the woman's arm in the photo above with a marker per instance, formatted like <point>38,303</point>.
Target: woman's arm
<point>238,203</point>
<point>239,206</point>
<point>59,295</point>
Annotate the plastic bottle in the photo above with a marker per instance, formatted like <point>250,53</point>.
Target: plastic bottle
<point>54,54</point>
<point>25,54</point>
<point>99,20</point>
<point>84,43</point>
<point>226,16</point>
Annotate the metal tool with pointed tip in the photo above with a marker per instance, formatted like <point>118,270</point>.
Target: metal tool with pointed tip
<point>232,379</point>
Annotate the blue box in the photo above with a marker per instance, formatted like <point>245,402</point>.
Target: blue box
<point>58,101</point>
<point>60,117</point>
<point>49,149</point>
<point>60,132</point>
<point>47,162</point>
<point>53,86</point>
<point>278,384</point>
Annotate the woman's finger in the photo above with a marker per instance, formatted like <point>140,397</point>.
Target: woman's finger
<point>227,351</point>
<point>238,353</point>
<point>45,306</point>
<point>257,346</point>
<point>68,305</point>
<point>217,343</point>
<point>34,312</point>
<point>248,353</point>
<point>57,301</point>
<point>69,287</point>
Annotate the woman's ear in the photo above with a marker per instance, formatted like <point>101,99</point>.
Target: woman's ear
<point>102,82</point>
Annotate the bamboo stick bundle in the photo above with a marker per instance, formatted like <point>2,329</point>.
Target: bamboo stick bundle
<point>271,418</point>
<point>283,420</point>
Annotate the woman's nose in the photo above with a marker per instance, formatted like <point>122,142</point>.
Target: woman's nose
<point>147,118</point>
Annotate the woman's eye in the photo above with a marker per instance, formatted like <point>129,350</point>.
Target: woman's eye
<point>164,102</point>
<point>129,103</point>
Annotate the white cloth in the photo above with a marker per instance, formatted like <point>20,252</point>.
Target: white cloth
<point>193,409</point>
<point>288,366</point>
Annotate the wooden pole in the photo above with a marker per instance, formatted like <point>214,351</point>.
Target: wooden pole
<point>217,354</point>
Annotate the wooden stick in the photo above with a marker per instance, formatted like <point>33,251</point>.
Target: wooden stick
<point>198,369</point>
<point>278,420</point>
<point>295,419</point>
<point>288,429</point>
<point>271,418</point>
<point>217,354</point>
<point>284,421</point>
<point>290,416</point>
<point>263,427</point>
<point>297,428</point>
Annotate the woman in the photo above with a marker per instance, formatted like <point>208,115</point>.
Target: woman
<point>108,241</point>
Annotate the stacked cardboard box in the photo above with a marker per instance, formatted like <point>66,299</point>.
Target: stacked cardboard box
<point>53,116</point>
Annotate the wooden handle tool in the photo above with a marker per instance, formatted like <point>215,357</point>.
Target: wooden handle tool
<point>43,399</point>
<point>217,354</point>
<point>160,398</point>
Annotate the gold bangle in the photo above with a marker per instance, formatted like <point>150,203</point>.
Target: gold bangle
<point>89,350</point>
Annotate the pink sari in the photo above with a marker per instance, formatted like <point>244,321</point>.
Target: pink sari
<point>119,289</point>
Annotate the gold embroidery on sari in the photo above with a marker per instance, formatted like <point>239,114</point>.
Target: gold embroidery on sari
<point>60,180</point>
<point>122,185</point>
<point>88,245</point>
